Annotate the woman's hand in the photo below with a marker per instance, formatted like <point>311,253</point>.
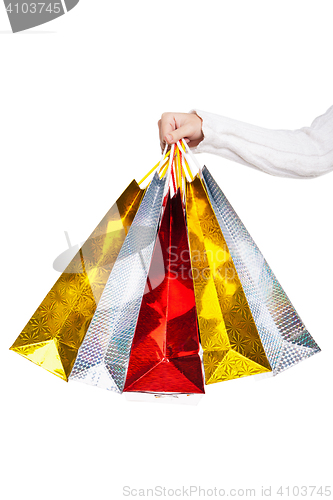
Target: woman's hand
<point>176,126</point>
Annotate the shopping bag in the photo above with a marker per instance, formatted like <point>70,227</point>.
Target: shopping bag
<point>55,332</point>
<point>103,356</point>
<point>165,349</point>
<point>168,288</point>
<point>229,338</point>
<point>284,337</point>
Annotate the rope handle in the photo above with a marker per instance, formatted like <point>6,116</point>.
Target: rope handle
<point>157,166</point>
<point>176,163</point>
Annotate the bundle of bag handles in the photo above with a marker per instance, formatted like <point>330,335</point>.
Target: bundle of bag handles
<point>176,165</point>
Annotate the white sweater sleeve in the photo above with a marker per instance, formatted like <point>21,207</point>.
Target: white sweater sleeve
<point>306,152</point>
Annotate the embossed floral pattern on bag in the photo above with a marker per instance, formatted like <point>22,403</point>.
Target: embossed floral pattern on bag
<point>56,330</point>
<point>229,337</point>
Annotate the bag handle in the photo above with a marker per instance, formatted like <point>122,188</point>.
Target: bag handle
<point>157,166</point>
<point>188,155</point>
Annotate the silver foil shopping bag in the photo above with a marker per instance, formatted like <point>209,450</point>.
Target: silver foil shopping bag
<point>283,334</point>
<point>104,354</point>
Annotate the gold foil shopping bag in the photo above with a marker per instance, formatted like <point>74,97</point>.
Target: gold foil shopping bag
<point>53,335</point>
<point>229,338</point>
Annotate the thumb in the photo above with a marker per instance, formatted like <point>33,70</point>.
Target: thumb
<point>178,134</point>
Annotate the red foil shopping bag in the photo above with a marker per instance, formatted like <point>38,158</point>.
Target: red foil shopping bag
<point>165,350</point>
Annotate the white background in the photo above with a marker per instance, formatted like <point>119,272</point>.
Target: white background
<point>80,99</point>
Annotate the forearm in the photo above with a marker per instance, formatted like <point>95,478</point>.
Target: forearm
<point>307,152</point>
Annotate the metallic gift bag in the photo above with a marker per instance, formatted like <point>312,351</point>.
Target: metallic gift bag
<point>103,356</point>
<point>55,332</point>
<point>283,334</point>
<point>229,338</point>
<point>165,349</point>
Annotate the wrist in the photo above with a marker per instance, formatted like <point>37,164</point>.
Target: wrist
<point>199,127</point>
